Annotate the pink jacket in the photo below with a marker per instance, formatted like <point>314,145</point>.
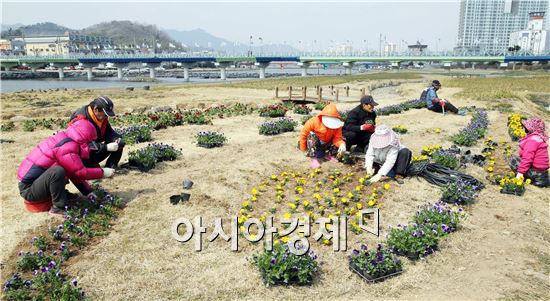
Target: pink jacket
<point>66,149</point>
<point>533,152</point>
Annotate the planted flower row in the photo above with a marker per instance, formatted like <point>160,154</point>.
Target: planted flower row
<point>475,130</point>
<point>401,107</point>
<point>39,274</point>
<point>279,126</point>
<point>146,158</point>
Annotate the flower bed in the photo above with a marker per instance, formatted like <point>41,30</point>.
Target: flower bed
<point>273,111</point>
<point>146,158</point>
<point>135,133</point>
<point>210,139</point>
<point>39,274</point>
<point>320,105</point>
<point>375,265</point>
<point>475,130</point>
<point>515,128</point>
<point>278,126</point>
<point>280,266</point>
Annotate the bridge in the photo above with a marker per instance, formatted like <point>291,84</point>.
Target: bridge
<point>188,61</point>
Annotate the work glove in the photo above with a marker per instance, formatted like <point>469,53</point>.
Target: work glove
<point>92,197</point>
<point>370,171</point>
<point>375,178</point>
<point>342,148</point>
<point>108,172</point>
<point>435,100</point>
<point>367,127</point>
<point>112,147</point>
<point>443,102</point>
<point>519,176</point>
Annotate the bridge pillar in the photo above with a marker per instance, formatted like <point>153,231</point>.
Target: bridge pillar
<point>152,67</point>
<point>473,66</point>
<point>34,66</point>
<point>304,67</point>
<point>223,67</point>
<point>186,67</point>
<point>262,68</point>
<point>119,67</point>
<point>60,67</point>
<point>348,66</point>
<point>89,72</point>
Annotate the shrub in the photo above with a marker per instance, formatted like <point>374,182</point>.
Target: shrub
<point>7,127</point>
<point>280,266</point>
<point>29,125</point>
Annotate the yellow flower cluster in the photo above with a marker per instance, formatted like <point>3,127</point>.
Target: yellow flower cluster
<point>430,149</point>
<point>399,129</point>
<point>514,125</point>
<point>513,182</point>
<point>419,158</point>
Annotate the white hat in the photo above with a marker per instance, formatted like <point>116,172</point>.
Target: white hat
<point>332,122</point>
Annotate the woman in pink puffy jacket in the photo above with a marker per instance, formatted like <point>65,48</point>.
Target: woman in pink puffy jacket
<point>44,172</point>
<point>533,153</point>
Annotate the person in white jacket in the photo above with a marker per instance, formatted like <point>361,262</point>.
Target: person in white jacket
<point>386,154</point>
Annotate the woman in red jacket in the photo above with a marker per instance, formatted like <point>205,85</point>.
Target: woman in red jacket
<point>321,136</point>
<point>44,172</point>
<point>533,154</point>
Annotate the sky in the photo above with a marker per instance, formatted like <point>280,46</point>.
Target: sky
<point>305,25</point>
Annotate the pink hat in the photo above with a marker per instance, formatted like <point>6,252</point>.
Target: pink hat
<point>535,126</point>
<point>384,136</point>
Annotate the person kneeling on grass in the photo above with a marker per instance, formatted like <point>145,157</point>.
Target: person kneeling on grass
<point>388,155</point>
<point>321,136</point>
<point>44,172</point>
<point>532,162</point>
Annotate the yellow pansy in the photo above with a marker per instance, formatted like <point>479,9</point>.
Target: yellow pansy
<point>359,206</point>
<point>387,186</point>
<point>287,215</point>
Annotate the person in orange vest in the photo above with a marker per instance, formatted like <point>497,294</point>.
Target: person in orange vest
<point>321,136</point>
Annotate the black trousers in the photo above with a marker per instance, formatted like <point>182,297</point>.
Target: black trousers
<point>98,156</point>
<point>360,139</point>
<point>448,108</point>
<point>51,184</point>
<point>538,177</point>
<point>401,165</point>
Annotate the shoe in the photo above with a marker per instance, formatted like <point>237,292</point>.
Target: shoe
<point>399,180</point>
<point>56,212</point>
<point>462,112</point>
<point>331,158</point>
<point>315,163</point>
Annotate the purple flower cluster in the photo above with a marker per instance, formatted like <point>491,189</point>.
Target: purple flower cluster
<point>135,133</point>
<point>147,157</point>
<point>281,125</point>
<point>475,130</point>
<point>210,139</point>
<point>374,263</point>
<point>459,192</point>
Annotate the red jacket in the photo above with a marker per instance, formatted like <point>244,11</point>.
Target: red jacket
<point>325,134</point>
<point>533,151</point>
<point>66,149</point>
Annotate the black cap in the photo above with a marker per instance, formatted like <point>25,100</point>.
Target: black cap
<point>435,82</point>
<point>368,100</point>
<point>106,104</point>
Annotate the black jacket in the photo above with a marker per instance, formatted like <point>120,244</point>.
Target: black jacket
<point>356,118</point>
<point>104,134</point>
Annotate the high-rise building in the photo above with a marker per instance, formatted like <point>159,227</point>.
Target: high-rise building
<point>485,25</point>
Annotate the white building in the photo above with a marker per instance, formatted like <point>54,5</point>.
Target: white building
<point>535,39</point>
<point>486,25</point>
<point>390,49</point>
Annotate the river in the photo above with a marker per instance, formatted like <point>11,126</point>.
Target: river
<point>15,85</point>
